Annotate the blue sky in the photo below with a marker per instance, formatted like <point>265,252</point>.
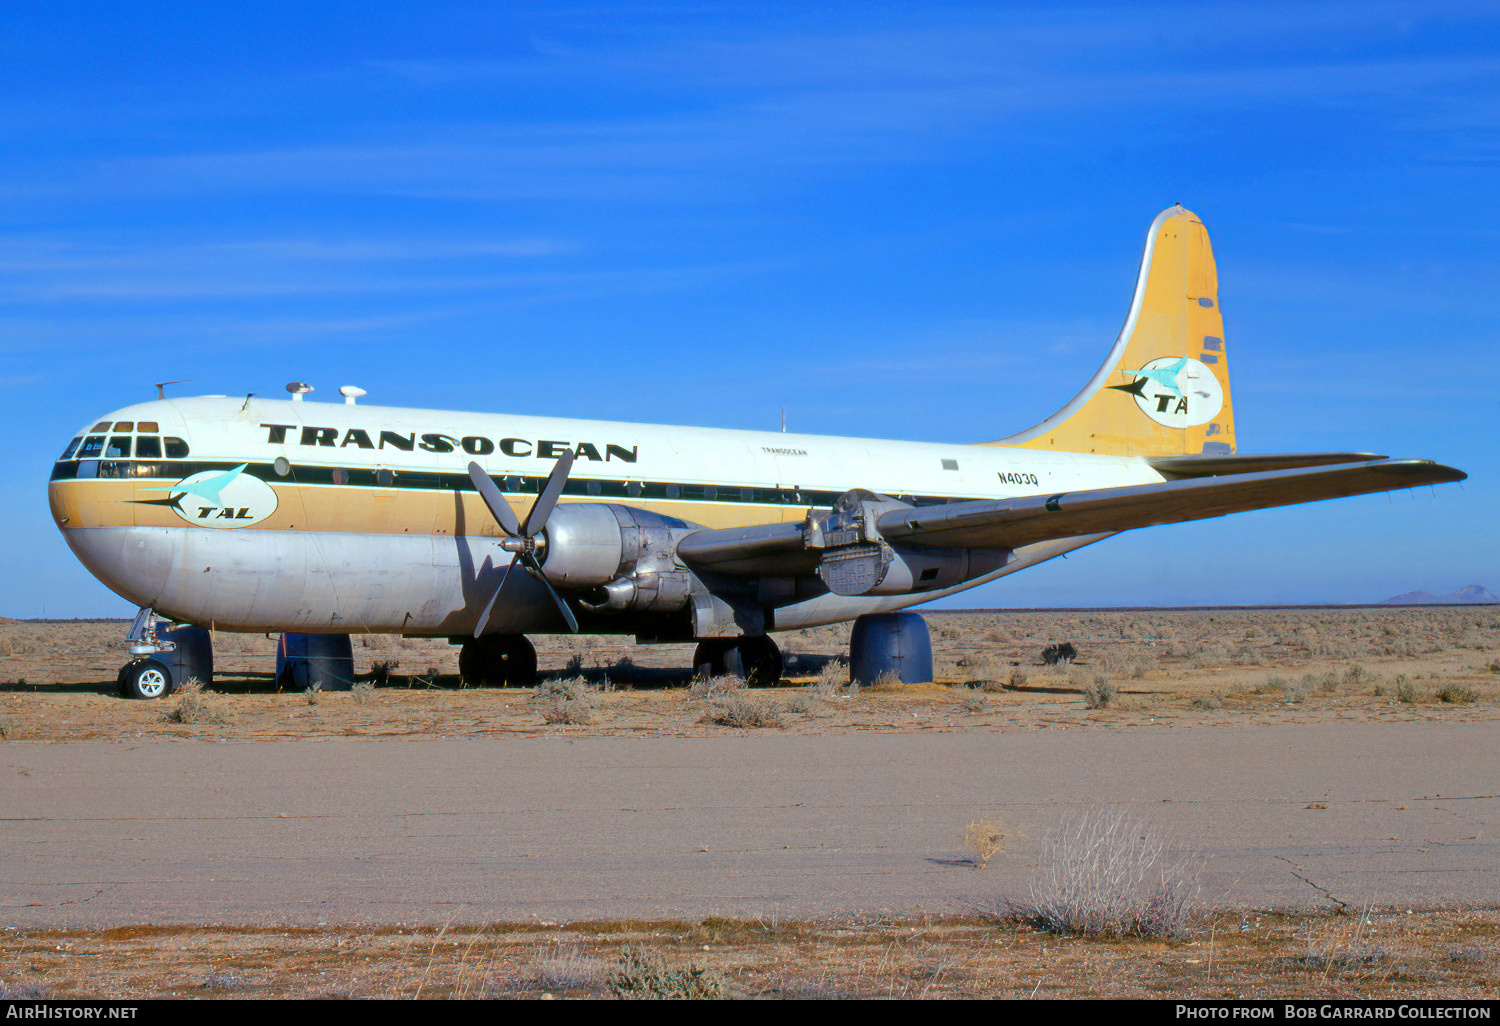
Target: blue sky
<point>903,220</point>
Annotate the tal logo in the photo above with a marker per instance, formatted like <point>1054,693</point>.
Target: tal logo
<point>1175,391</point>
<point>219,498</point>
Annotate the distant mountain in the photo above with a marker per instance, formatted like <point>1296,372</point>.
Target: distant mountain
<point>1472,593</point>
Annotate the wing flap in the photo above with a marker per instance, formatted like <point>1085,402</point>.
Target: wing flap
<point>1012,523</point>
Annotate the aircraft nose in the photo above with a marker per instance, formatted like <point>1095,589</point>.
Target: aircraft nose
<point>134,562</point>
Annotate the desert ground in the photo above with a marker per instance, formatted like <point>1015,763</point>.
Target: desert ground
<point>1133,668</point>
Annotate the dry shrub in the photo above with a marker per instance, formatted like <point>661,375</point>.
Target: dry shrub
<point>567,968</point>
<point>1106,875</point>
<point>1212,700</point>
<point>831,678</point>
<point>972,704</point>
<point>738,712</point>
<point>1059,653</point>
<point>1456,694</point>
<point>8,728</point>
<point>1133,662</point>
<point>1292,691</point>
<point>1406,691</point>
<point>194,705</point>
<point>1100,692</point>
<point>716,687</point>
<point>362,691</point>
<point>568,702</point>
<point>642,974</point>
<point>5,649</point>
<point>806,704</point>
<point>984,838</point>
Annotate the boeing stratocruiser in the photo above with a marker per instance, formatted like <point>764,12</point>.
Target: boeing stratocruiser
<point>250,514</point>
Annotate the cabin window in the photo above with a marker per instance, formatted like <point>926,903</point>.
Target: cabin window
<point>512,483</point>
<point>177,449</point>
<point>93,445</point>
<point>385,477</point>
<point>710,492</point>
<point>148,427</point>
<point>633,489</point>
<point>341,476</point>
<point>118,446</point>
<point>674,491</point>
<point>88,468</point>
<point>747,494</point>
<point>950,464</point>
<point>148,447</point>
<point>595,488</point>
<point>283,466</point>
<point>68,452</point>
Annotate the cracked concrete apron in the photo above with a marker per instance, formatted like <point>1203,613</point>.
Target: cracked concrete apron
<point>755,824</point>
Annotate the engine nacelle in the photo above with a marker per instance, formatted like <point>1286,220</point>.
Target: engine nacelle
<point>856,560</point>
<point>616,558</point>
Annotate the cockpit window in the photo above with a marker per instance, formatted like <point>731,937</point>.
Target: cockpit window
<point>93,445</point>
<point>68,452</point>
<point>148,447</point>
<point>103,425</point>
<point>177,449</point>
<point>118,446</point>
<point>124,425</point>
<point>147,427</point>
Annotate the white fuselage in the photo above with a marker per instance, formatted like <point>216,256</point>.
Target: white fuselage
<point>359,518</point>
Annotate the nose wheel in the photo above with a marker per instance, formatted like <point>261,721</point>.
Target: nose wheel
<point>146,678</point>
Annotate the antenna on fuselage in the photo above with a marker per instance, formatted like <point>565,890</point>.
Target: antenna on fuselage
<point>298,390</point>
<point>351,393</point>
<point>161,386</point>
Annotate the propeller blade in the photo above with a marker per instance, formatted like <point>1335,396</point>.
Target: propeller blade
<point>542,508</point>
<point>562,607</point>
<point>499,508</point>
<point>484,617</point>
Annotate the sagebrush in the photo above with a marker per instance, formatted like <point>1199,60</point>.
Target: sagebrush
<point>1108,875</point>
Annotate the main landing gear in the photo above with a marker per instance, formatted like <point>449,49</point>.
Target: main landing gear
<point>756,659</point>
<point>498,660</point>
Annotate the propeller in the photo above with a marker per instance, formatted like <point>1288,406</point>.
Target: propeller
<point>521,538</point>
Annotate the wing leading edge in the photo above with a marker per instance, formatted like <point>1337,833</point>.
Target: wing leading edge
<point>1025,520</point>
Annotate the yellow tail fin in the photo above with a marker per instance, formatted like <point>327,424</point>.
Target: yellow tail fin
<point>1164,389</point>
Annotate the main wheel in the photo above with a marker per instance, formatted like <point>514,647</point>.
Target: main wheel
<point>498,660</point>
<point>708,657</point>
<point>146,678</point>
<point>756,659</point>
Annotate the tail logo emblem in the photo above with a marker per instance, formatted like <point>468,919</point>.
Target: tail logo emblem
<point>1175,391</point>
<point>219,498</point>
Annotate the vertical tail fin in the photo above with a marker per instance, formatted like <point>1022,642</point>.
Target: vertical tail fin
<point>1164,389</point>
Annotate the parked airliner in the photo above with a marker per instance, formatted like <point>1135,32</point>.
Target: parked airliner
<point>335,518</point>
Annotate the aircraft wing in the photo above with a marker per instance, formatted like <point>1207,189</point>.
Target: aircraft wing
<point>1024,520</point>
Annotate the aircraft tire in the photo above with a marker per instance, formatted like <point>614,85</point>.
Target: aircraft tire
<point>498,660</point>
<point>756,659</point>
<point>146,678</point>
